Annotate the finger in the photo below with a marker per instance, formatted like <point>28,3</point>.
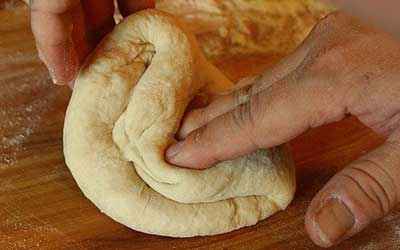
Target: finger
<point>284,67</point>
<point>246,81</point>
<point>236,128</point>
<point>53,23</point>
<point>241,93</point>
<point>361,193</point>
<point>128,7</point>
<point>205,107</point>
<point>199,117</point>
<point>99,18</point>
<point>381,14</point>
<point>269,118</point>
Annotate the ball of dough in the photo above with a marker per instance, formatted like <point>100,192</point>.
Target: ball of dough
<point>127,104</point>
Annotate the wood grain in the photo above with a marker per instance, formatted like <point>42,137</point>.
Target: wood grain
<point>41,207</point>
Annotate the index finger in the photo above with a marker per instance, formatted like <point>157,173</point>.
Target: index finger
<point>270,117</point>
<point>261,122</point>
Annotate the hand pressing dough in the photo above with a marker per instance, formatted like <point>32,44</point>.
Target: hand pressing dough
<point>127,104</point>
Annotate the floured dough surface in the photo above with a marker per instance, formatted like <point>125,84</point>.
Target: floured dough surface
<point>127,104</point>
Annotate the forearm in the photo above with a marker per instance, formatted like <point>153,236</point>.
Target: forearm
<point>384,14</point>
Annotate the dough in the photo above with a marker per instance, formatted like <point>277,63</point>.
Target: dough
<point>127,104</point>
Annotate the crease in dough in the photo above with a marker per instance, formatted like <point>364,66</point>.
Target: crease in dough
<point>127,104</point>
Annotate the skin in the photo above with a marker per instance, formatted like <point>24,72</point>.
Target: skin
<point>382,14</point>
<point>66,31</point>
<point>343,68</point>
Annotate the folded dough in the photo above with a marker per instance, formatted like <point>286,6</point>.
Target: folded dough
<point>127,104</point>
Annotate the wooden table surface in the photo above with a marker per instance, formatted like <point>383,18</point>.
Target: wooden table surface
<point>41,207</point>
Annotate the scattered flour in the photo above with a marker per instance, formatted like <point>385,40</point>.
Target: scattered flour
<point>18,124</point>
<point>12,144</point>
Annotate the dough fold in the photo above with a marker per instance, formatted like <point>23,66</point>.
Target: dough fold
<point>127,104</point>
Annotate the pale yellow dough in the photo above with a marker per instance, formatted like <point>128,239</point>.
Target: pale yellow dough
<point>126,106</point>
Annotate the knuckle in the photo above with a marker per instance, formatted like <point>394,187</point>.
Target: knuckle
<point>56,7</point>
<point>242,95</point>
<point>330,43</point>
<point>240,116</point>
<point>332,23</point>
<point>316,100</point>
<point>322,60</point>
<point>367,199</point>
<point>202,117</point>
<point>323,27</point>
<point>376,186</point>
<point>245,117</point>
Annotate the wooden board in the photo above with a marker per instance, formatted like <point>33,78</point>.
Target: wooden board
<point>41,207</point>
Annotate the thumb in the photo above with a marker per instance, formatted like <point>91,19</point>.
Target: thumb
<point>363,192</point>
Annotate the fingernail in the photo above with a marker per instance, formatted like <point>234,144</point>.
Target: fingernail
<point>334,220</point>
<point>173,151</point>
<point>40,54</point>
<point>53,76</point>
<point>51,71</point>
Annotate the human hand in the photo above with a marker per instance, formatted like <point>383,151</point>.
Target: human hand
<point>66,31</point>
<point>342,68</point>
